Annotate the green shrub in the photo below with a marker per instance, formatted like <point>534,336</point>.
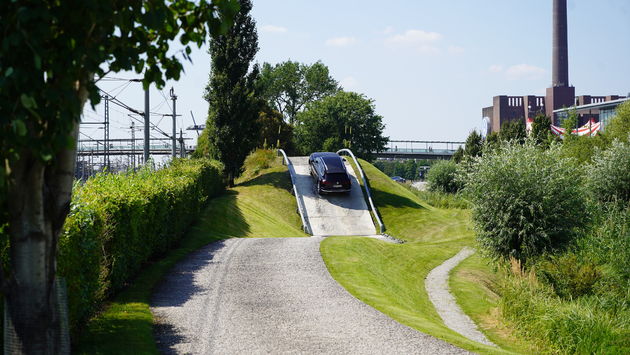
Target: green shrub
<point>117,222</point>
<point>257,161</point>
<point>442,177</point>
<point>609,176</point>
<point>569,274</point>
<point>525,200</point>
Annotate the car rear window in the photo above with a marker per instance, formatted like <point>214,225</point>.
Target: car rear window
<point>337,177</point>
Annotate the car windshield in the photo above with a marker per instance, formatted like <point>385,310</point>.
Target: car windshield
<point>337,177</point>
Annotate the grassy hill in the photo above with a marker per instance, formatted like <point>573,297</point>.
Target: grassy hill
<point>390,277</point>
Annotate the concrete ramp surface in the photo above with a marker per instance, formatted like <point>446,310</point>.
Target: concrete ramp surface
<point>332,214</point>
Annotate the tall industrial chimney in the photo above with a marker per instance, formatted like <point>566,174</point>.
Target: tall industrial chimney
<point>560,56</point>
<point>560,94</point>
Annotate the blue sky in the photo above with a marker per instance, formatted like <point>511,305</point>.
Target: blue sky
<point>429,66</point>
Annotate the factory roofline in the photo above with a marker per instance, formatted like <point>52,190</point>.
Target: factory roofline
<point>595,105</point>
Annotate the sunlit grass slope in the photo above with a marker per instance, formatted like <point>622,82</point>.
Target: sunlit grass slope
<point>390,277</point>
<point>261,205</point>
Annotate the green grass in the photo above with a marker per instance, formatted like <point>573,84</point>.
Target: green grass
<point>261,205</point>
<point>390,277</point>
<point>474,284</point>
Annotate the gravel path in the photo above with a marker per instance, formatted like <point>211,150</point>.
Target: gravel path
<point>436,284</point>
<point>332,214</point>
<point>272,296</point>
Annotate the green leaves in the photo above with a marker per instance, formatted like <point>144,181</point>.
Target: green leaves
<point>19,127</point>
<point>28,101</point>
<point>343,117</point>
<point>526,200</point>
<point>289,86</point>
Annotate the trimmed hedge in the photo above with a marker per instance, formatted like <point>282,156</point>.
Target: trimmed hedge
<point>118,222</point>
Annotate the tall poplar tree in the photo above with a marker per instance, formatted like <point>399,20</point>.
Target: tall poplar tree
<point>231,128</point>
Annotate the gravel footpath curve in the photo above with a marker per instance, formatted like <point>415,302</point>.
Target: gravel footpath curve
<point>436,284</point>
<point>272,296</point>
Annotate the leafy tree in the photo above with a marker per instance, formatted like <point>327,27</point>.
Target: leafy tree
<point>51,56</point>
<point>458,155</point>
<point>513,131</point>
<point>541,129</point>
<point>289,86</point>
<point>345,117</point>
<point>442,177</point>
<point>619,126</point>
<point>411,170</point>
<point>570,123</point>
<point>231,129</point>
<point>274,132</point>
<point>492,140</point>
<point>609,176</point>
<point>474,145</point>
<point>526,200</point>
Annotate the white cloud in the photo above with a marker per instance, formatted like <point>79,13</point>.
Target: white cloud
<point>455,49</point>
<point>349,82</point>
<point>415,37</point>
<point>388,30</point>
<point>495,68</point>
<point>341,41</point>
<point>422,41</point>
<point>273,29</point>
<point>524,71</point>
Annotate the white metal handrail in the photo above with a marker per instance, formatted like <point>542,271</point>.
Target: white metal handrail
<point>301,209</point>
<point>367,188</point>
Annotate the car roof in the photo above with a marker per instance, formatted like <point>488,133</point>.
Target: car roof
<point>323,154</point>
<point>333,164</point>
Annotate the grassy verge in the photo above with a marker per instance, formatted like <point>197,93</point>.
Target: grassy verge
<point>390,277</point>
<point>259,206</point>
<point>474,284</point>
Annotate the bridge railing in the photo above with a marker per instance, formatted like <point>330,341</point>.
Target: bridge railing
<point>381,226</point>
<point>300,202</point>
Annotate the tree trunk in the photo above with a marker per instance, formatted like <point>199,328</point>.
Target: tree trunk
<point>39,197</point>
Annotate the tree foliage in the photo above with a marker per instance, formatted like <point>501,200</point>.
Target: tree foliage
<point>619,126</point>
<point>526,200</point>
<point>513,131</point>
<point>289,86</point>
<point>274,131</point>
<point>442,177</point>
<point>609,177</point>
<point>541,129</point>
<point>51,53</point>
<point>231,129</point>
<point>474,145</point>
<point>343,120</point>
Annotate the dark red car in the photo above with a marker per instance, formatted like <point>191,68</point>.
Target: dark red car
<point>329,172</point>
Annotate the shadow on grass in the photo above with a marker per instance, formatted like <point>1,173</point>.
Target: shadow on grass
<point>126,325</point>
<point>277,179</point>
<point>387,199</point>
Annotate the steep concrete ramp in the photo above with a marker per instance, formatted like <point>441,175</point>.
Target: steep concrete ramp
<point>332,214</point>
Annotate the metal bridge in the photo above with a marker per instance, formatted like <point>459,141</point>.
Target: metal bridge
<point>409,149</point>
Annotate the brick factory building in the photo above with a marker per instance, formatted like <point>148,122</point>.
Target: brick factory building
<point>560,95</point>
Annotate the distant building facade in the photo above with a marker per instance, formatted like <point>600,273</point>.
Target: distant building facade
<point>559,96</point>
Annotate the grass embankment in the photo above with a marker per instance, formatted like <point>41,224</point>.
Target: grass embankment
<point>390,277</point>
<point>261,205</point>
